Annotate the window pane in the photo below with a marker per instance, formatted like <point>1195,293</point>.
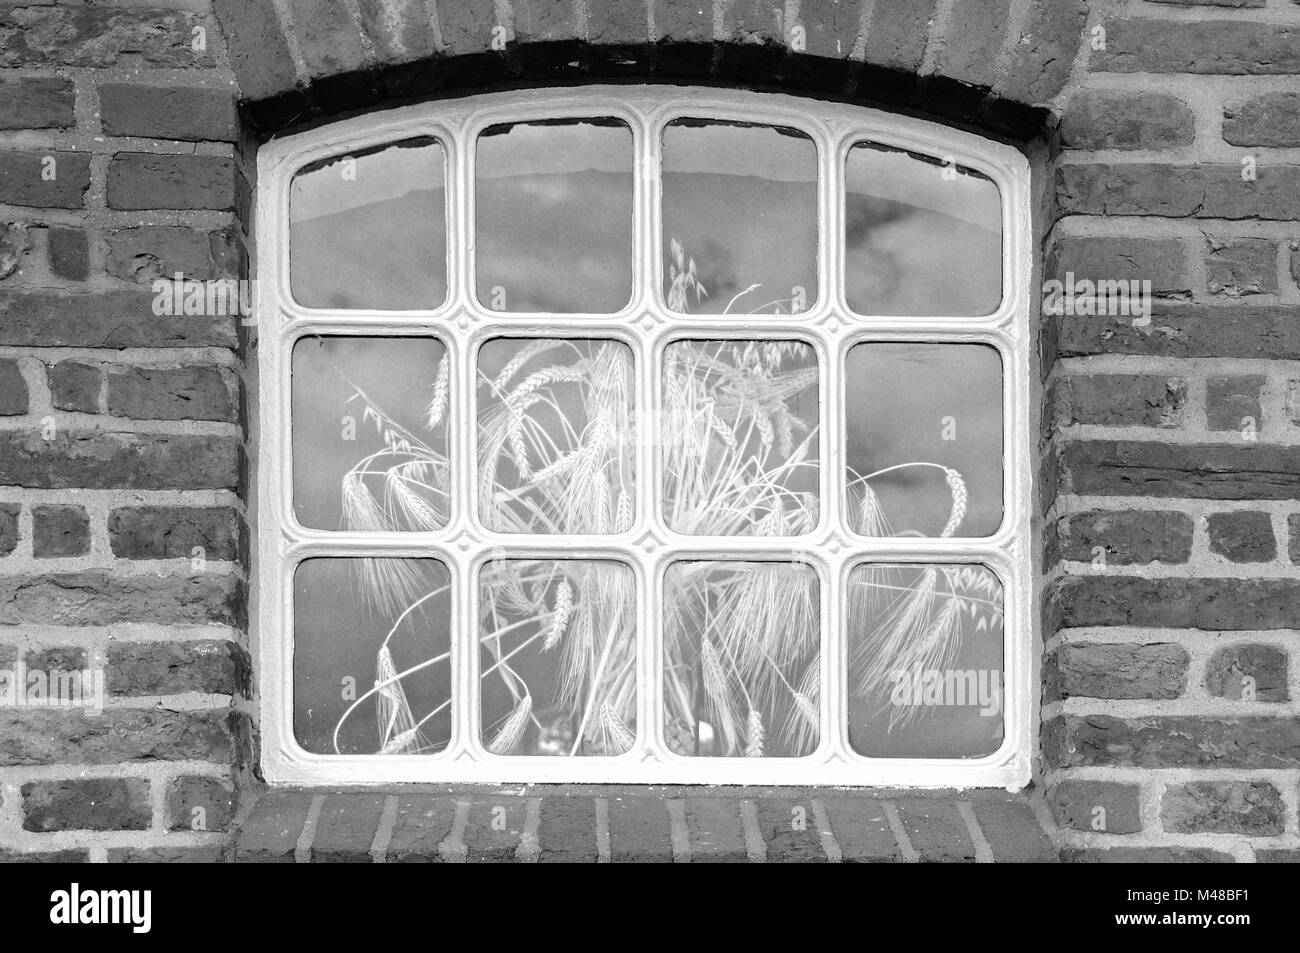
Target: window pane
<point>924,425</point>
<point>557,659</point>
<point>369,230</point>
<point>925,661</point>
<point>370,433</point>
<point>556,436</point>
<point>554,211</point>
<point>742,661</point>
<point>921,238</point>
<point>740,438</point>
<point>368,675</point>
<point>739,218</point>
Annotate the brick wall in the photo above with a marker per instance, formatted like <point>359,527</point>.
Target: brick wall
<point>1170,474</point>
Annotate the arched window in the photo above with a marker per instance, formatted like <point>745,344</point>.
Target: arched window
<point>643,435</point>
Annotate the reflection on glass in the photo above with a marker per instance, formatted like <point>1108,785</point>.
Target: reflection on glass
<point>740,438</point>
<point>554,216</point>
<point>921,237</point>
<point>557,657</point>
<point>556,436</point>
<point>370,433</point>
<point>739,218</point>
<point>742,660</point>
<point>925,661</point>
<point>371,663</point>
<point>924,451</point>
<point>369,230</point>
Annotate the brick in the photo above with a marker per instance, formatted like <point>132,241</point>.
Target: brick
<point>936,830</point>
<point>1179,191</point>
<point>1228,47</point>
<point>166,855</point>
<point>862,831</point>
<point>57,657</point>
<point>1202,472</point>
<point>1117,670</point>
<point>131,37</point>
<point>190,113</point>
<point>1293,536</point>
<point>619,23</point>
<point>148,252</point>
<point>60,531</point>
<point>717,834</point>
<point>173,532</point>
<point>346,829</point>
<point>790,832</point>
<point>1213,3</point>
<point>399,32</point>
<point>50,179</point>
<point>896,34</point>
<point>466,25</point>
<point>493,830</point>
<point>567,830</point>
<point>13,390</point>
<point>1039,63</point>
<point>1144,855</point>
<point>76,386</point>
<point>546,21</point>
<point>1277,856</point>
<point>171,393</point>
<point>1118,400</point>
<point>93,804</point>
<point>31,736</point>
<point>1161,261</point>
<point>97,597</point>
<point>1229,667</point>
<point>79,856</point>
<point>1195,603</point>
<point>259,53</point>
<point>200,803</point>
<point>328,37</point>
<point>640,831</point>
<point>15,243</point>
<point>1242,536</point>
<point>1230,401</point>
<point>1271,119</point>
<point>110,319</point>
<point>1127,538</point>
<point>1223,807</point>
<point>975,34</point>
<point>68,250</point>
<point>37,102</point>
<point>1184,331</point>
<point>141,180</point>
<point>1013,833</point>
<point>212,666</point>
<point>270,834</point>
<point>832,28</point>
<point>100,459</point>
<point>1241,266</point>
<point>1104,119</point>
<point>423,822</point>
<point>1172,741</point>
<point>9,527</point>
<point>1106,807</point>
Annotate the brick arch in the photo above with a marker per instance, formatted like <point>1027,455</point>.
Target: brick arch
<point>993,64</point>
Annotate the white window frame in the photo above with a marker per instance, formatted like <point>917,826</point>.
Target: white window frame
<point>465,545</point>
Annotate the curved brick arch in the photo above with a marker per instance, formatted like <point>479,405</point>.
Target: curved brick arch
<point>995,64</point>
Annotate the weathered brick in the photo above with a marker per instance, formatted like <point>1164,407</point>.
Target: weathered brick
<point>1039,63</point>
<point>191,113</point>
<point>49,736</point>
<point>936,830</point>
<point>1127,538</point>
<point>832,28</point>
<point>1277,856</point>
<point>1204,472</point>
<point>790,831</point>
<point>423,822</point>
<point>9,527</point>
<point>1144,855</point>
<point>896,34</point>
<point>328,37</point>
<point>546,21</point>
<point>270,834</point>
<point>1013,833</point>
<point>1241,266</point>
<point>1194,603</point>
<point>493,829</point>
<point>1178,330</point>
<point>1171,190</point>
<point>1107,807</point>
<point>15,243</point>
<point>171,393</point>
<point>717,834</point>
<point>77,856</point>
<point>99,459</point>
<point>198,803</point>
<point>1270,119</point>
<point>131,37</point>
<point>68,251</point>
<point>567,830</point>
<point>50,179</point>
<point>1120,670</point>
<point>1238,4</point>
<point>1172,741</point>
<point>142,180</point>
<point>53,658</point>
<point>110,319</point>
<point>13,390</point>
<point>640,831</point>
<point>173,532</point>
<point>37,102</point>
<point>466,25</point>
<point>60,531</point>
<point>1242,536</point>
<point>149,252</point>
<point>1233,403</point>
<point>973,43</point>
<point>214,854</point>
<point>259,53</point>
<point>1230,666</point>
<point>346,829</point>
<point>76,386</point>
<point>1223,807</point>
<point>1106,119</point>
<point>172,668</point>
<point>1231,47</point>
<point>1117,400</point>
<point>1161,261</point>
<point>863,831</point>
<point>96,597</point>
<point>399,32</point>
<point>93,804</point>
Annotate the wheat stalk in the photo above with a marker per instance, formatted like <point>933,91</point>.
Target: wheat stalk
<point>512,729</point>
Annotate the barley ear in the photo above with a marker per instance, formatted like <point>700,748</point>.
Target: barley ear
<point>512,729</point>
<point>754,735</point>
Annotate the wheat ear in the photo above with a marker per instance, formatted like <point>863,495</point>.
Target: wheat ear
<point>559,615</point>
<point>512,730</point>
<point>958,487</point>
<point>754,735</point>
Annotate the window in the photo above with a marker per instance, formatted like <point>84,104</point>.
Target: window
<point>641,435</point>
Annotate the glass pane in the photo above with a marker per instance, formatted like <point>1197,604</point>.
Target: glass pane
<point>557,659</point>
<point>554,211</point>
<point>369,230</point>
<point>556,436</point>
<point>371,669</point>
<point>925,661</point>
<point>740,438</point>
<point>370,433</point>
<point>742,660</point>
<point>739,218</point>
<point>924,425</point>
<point>921,237</point>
